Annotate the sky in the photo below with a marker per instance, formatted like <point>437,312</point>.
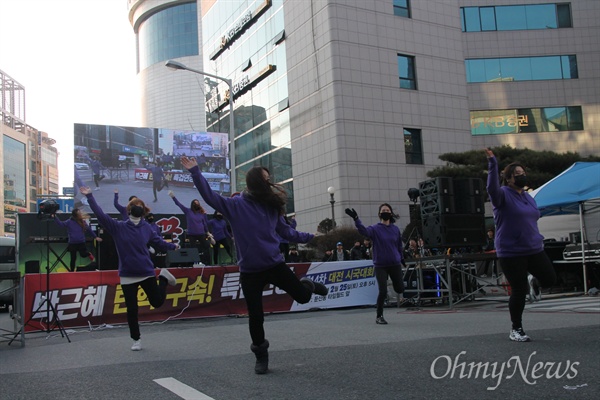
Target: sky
<point>77,62</point>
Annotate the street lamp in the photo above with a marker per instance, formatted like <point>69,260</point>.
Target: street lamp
<point>331,191</point>
<point>174,65</point>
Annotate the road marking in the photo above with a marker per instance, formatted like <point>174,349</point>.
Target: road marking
<point>181,389</point>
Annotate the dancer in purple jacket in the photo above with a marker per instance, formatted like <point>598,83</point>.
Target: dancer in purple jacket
<point>256,218</point>
<point>77,228</point>
<point>136,269</point>
<point>519,244</point>
<point>387,253</point>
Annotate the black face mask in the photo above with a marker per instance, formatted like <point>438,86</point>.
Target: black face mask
<point>150,220</point>
<point>520,181</point>
<point>136,211</point>
<point>386,216</point>
<point>219,217</point>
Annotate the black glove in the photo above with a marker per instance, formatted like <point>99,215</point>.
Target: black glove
<point>352,213</point>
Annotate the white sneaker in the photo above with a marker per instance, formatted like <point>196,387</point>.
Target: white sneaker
<point>168,276</point>
<point>518,335</point>
<point>97,188</point>
<point>534,288</point>
<point>137,345</point>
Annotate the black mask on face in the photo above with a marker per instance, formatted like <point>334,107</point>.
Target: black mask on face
<point>137,211</point>
<point>520,181</point>
<point>219,217</point>
<point>386,216</point>
<point>150,219</point>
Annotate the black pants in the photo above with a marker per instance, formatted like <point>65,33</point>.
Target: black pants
<point>284,248</point>
<point>516,270</point>
<point>217,247</point>
<point>158,185</point>
<point>253,285</point>
<point>156,294</point>
<point>75,248</point>
<point>202,243</point>
<point>97,179</point>
<point>381,274</point>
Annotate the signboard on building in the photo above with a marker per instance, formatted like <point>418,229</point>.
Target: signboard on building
<point>69,191</point>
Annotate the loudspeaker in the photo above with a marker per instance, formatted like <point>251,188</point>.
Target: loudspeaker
<point>32,267</point>
<point>468,196</point>
<point>437,204</point>
<point>454,230</point>
<point>440,185</point>
<point>109,158</point>
<point>182,258</point>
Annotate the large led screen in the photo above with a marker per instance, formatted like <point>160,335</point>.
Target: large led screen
<point>145,162</point>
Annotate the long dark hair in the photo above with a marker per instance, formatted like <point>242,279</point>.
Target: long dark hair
<point>393,219</point>
<point>78,216</point>
<point>264,192</point>
<point>199,209</point>
<point>509,171</point>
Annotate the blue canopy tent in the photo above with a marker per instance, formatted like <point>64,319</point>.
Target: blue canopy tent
<point>575,191</point>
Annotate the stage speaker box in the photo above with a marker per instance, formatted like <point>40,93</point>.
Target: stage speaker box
<point>182,258</point>
<point>437,204</point>
<point>456,230</point>
<point>436,196</point>
<point>109,158</point>
<point>440,185</point>
<point>468,196</point>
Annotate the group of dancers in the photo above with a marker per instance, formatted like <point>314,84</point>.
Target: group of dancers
<point>257,220</point>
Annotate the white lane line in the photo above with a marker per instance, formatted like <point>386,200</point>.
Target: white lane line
<point>181,389</point>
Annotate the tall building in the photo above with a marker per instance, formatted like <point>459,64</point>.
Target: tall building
<point>29,166</point>
<point>364,96</point>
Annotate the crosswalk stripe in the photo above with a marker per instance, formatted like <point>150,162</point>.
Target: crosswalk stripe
<point>181,389</point>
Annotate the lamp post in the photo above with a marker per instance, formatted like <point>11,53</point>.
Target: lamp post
<point>331,191</point>
<point>174,65</point>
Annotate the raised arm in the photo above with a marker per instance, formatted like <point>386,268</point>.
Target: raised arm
<point>104,220</point>
<point>211,198</point>
<point>493,181</point>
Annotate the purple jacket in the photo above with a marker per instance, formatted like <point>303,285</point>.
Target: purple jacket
<point>255,227</point>
<point>122,210</point>
<point>515,215</point>
<point>131,241</point>
<point>75,232</point>
<point>197,223</point>
<point>387,243</point>
<point>218,228</point>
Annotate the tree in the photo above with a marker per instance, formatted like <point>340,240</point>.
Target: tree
<point>541,166</point>
<point>326,226</point>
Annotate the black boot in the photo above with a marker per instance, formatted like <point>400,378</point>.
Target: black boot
<point>262,357</point>
<point>315,287</point>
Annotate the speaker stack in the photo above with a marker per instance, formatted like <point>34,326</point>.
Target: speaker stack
<point>452,212</point>
<point>109,158</point>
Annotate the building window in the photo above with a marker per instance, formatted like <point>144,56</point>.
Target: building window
<point>402,8</point>
<point>413,148</point>
<point>526,120</point>
<point>518,17</point>
<point>406,72</point>
<point>521,69</point>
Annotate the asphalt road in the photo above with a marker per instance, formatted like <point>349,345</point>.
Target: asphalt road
<point>423,353</point>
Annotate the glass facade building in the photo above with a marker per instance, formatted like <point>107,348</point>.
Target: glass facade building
<point>364,97</point>
<point>246,44</point>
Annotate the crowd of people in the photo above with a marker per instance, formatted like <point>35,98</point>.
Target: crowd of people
<point>266,240</point>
